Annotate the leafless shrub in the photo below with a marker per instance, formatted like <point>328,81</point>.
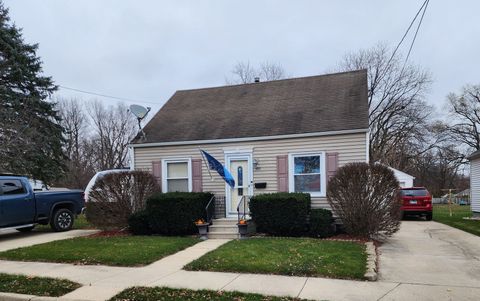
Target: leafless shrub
<point>116,196</point>
<point>366,199</point>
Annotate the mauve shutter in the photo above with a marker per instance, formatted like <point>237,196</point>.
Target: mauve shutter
<point>197,175</point>
<point>332,165</point>
<point>157,171</point>
<point>282,173</point>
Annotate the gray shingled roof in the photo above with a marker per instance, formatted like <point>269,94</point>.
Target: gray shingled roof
<point>475,155</point>
<point>331,102</point>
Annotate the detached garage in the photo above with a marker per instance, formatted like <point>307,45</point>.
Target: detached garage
<point>475,183</point>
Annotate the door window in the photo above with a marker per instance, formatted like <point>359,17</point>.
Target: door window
<point>12,187</point>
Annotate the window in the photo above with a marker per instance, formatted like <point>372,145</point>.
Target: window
<point>177,175</point>
<point>10,187</point>
<point>307,173</point>
<point>414,192</point>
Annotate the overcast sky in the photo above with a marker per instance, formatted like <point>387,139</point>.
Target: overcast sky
<point>146,50</point>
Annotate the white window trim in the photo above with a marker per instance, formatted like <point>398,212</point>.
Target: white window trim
<point>323,174</point>
<point>165,173</point>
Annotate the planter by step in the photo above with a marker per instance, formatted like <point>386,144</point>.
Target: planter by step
<point>203,231</point>
<point>243,230</point>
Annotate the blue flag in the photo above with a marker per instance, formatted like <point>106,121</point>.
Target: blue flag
<point>213,164</point>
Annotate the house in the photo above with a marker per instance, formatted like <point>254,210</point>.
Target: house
<point>403,178</point>
<point>475,183</point>
<point>463,197</point>
<point>276,136</point>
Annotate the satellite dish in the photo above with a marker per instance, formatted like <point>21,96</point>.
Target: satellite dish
<point>140,112</point>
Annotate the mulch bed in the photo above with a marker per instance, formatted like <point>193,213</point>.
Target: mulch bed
<point>111,233</point>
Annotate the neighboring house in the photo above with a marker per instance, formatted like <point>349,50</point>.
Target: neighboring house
<point>403,178</point>
<point>475,183</point>
<point>463,197</point>
<point>277,136</point>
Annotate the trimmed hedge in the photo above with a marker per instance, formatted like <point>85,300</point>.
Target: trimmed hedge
<point>172,213</point>
<point>281,214</point>
<point>138,223</point>
<point>321,223</point>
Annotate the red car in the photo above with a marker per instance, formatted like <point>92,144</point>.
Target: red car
<point>416,201</point>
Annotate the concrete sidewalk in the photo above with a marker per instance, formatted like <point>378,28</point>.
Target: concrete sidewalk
<point>423,261</point>
<point>103,282</point>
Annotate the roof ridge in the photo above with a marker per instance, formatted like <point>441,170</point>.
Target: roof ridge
<point>271,81</point>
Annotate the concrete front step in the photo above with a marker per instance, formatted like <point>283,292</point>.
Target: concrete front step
<point>223,235</point>
<point>223,228</point>
<point>224,222</point>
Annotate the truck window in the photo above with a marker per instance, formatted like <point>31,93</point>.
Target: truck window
<point>10,187</point>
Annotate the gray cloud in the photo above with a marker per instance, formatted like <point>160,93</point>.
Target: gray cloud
<point>148,49</point>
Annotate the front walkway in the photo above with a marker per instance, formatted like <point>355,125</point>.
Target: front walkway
<point>423,261</point>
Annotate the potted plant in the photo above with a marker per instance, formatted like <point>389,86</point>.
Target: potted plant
<point>202,228</point>
<point>242,228</point>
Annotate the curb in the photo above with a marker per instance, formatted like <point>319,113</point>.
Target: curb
<point>371,273</point>
<point>22,297</point>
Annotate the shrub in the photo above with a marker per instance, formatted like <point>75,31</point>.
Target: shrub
<point>366,199</point>
<point>116,196</point>
<point>174,213</point>
<point>138,223</point>
<point>282,214</point>
<point>320,223</point>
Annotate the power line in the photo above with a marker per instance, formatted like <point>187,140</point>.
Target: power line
<point>107,96</point>
<point>416,32</point>
<point>408,29</point>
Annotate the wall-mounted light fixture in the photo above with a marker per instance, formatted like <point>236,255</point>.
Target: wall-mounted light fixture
<point>255,164</point>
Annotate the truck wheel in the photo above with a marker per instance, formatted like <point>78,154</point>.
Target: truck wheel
<point>26,229</point>
<point>429,216</point>
<point>62,220</point>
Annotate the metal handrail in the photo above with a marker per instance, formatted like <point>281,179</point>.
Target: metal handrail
<point>209,209</point>
<point>243,203</point>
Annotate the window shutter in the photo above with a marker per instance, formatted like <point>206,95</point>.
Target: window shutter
<point>197,175</point>
<point>157,171</point>
<point>332,165</point>
<point>282,173</point>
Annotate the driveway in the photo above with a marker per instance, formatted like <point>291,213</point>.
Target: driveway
<point>431,261</point>
<point>12,239</point>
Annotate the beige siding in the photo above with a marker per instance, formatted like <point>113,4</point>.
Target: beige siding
<point>475,185</point>
<point>351,148</point>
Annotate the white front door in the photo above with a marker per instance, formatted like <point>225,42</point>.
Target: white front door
<point>240,166</point>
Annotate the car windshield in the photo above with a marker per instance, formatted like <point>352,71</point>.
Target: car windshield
<point>414,192</point>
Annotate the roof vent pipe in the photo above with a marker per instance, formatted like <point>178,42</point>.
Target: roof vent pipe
<point>257,79</point>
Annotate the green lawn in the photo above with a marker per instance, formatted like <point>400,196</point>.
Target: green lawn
<point>80,223</point>
<point>441,214</point>
<point>115,251</point>
<point>167,294</point>
<point>287,256</point>
<point>38,286</point>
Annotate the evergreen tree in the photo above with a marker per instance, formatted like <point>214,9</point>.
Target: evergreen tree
<point>31,138</point>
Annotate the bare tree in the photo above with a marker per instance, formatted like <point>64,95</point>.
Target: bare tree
<point>399,116</point>
<point>80,166</point>
<point>244,73</point>
<point>464,111</point>
<point>114,127</point>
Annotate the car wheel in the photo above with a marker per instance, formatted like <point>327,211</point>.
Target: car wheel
<point>62,220</point>
<point>26,229</point>
<point>429,216</point>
